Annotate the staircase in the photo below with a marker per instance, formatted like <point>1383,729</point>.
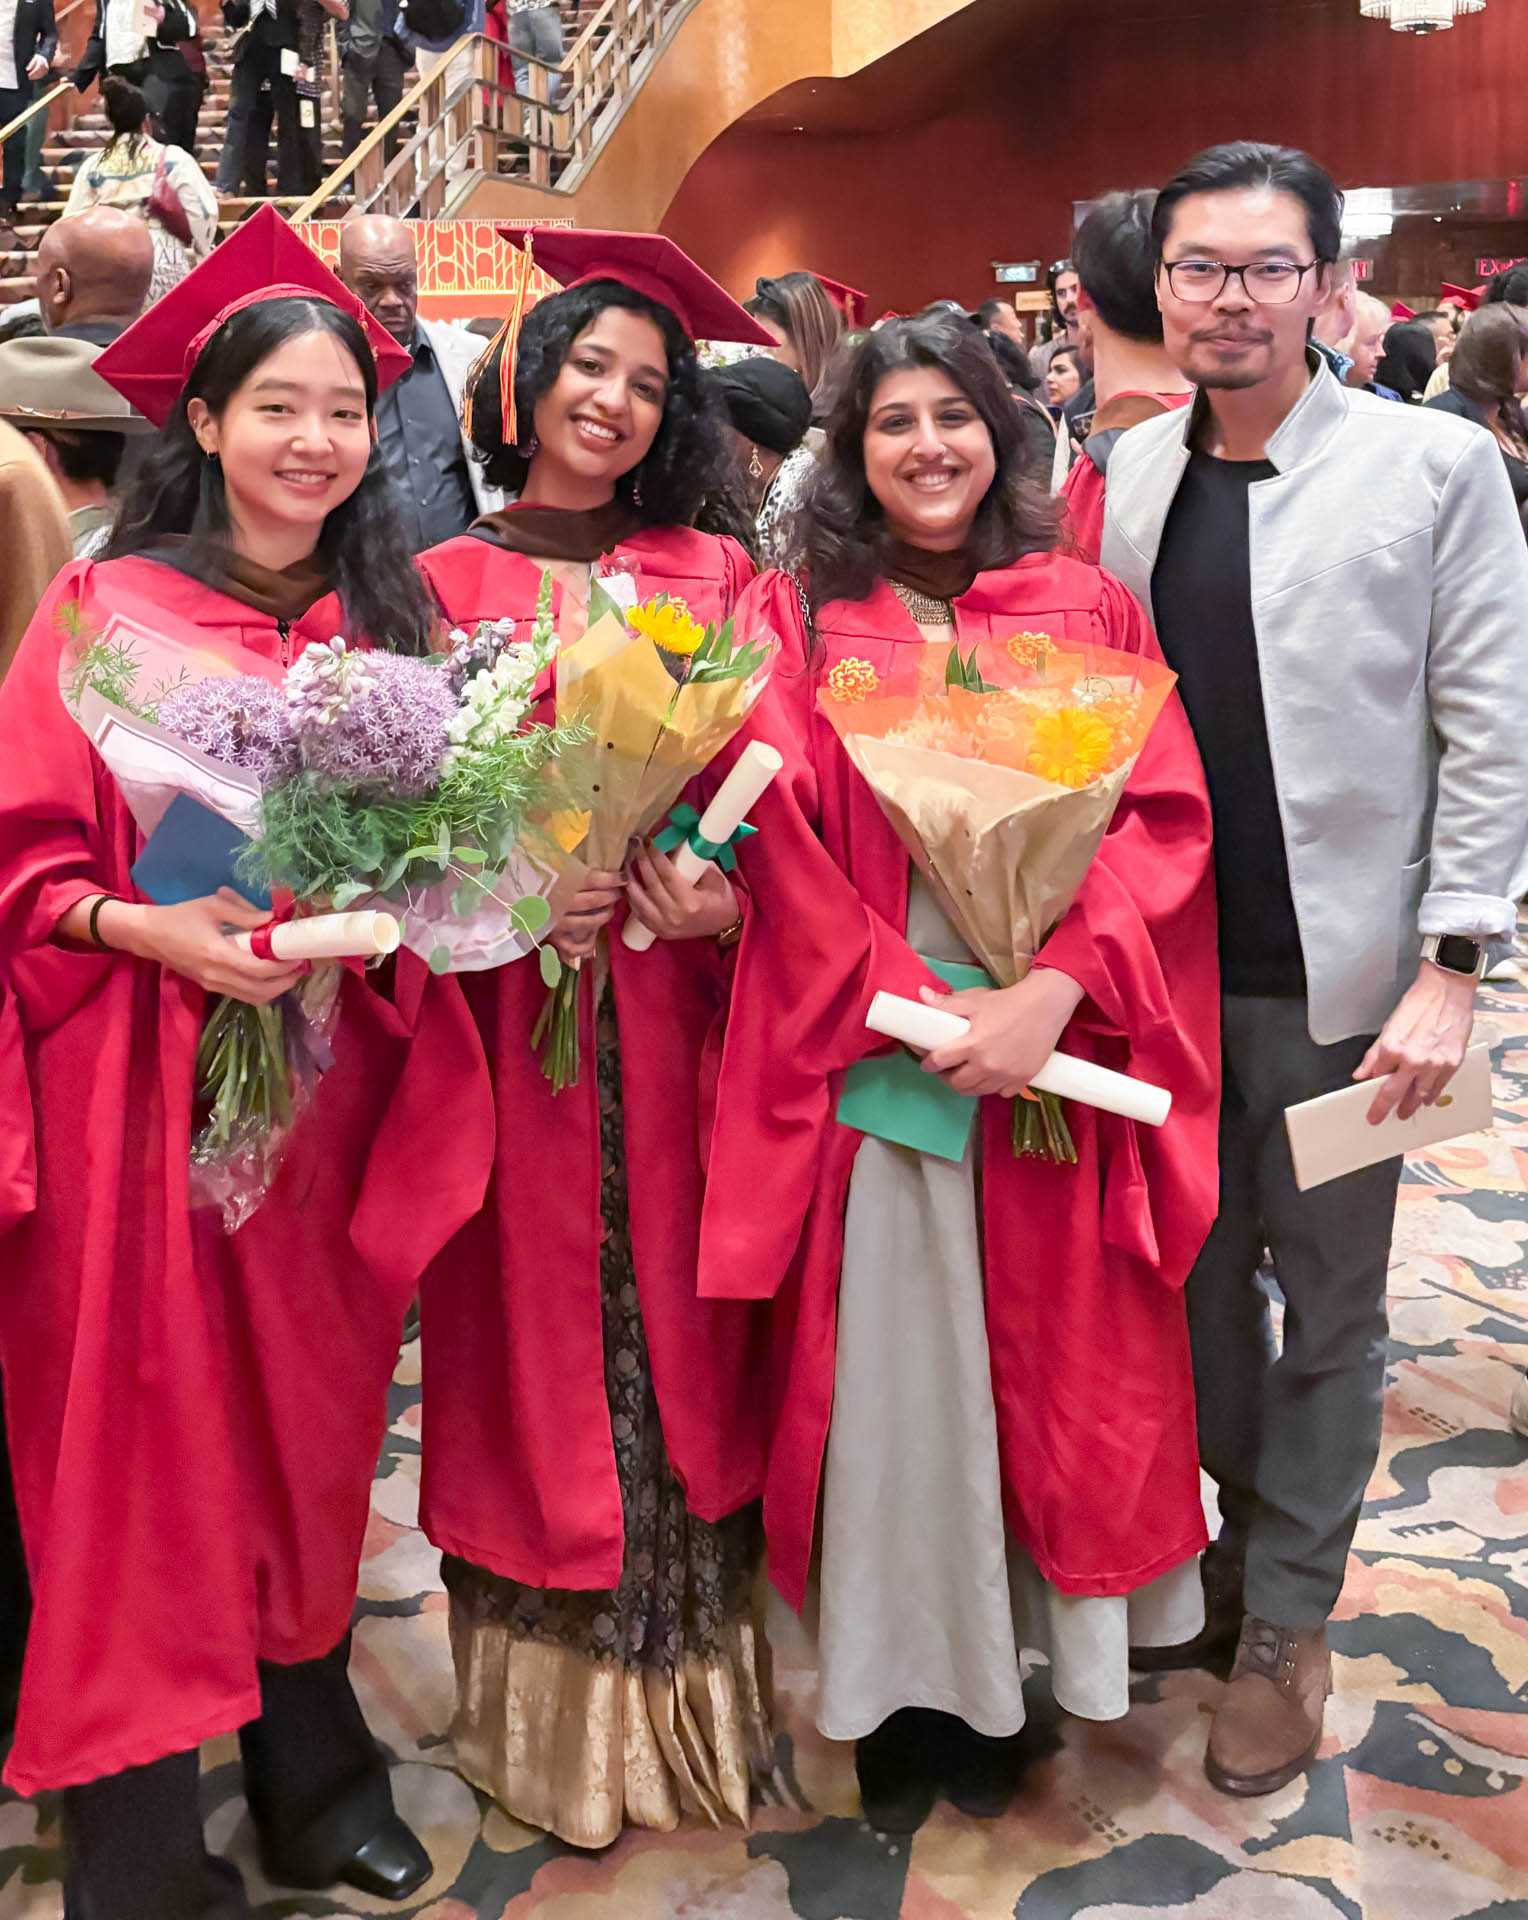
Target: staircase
<point>88,133</point>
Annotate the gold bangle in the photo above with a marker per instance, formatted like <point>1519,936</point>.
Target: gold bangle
<point>730,936</point>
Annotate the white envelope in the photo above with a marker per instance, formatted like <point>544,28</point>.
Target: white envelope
<point>291,60</point>
<point>1331,1136</point>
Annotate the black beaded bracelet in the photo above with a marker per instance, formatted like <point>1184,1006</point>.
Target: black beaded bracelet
<point>95,919</point>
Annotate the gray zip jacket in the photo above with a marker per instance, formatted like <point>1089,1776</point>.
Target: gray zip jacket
<point>1390,603</point>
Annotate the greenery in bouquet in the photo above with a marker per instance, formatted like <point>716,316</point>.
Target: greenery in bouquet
<point>380,775</point>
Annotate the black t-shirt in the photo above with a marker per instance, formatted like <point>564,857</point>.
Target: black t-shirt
<point>1201,592</point>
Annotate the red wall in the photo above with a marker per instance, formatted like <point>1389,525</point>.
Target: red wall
<point>919,213</point>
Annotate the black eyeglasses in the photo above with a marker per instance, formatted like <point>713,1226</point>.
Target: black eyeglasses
<point>1271,283</point>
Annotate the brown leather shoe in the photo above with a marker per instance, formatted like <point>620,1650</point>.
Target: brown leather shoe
<point>1215,1642</point>
<point>1267,1728</point>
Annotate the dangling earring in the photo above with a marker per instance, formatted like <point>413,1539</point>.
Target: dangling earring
<point>636,490</point>
<point>533,449</point>
<point>755,466</point>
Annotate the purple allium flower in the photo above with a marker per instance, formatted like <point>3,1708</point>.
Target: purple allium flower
<point>391,735</point>
<point>238,719</point>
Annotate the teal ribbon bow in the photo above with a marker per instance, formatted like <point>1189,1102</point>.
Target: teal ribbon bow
<point>684,824</point>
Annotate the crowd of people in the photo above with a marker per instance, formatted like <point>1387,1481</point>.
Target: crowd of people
<point>679,1315</point>
<point>151,66</point>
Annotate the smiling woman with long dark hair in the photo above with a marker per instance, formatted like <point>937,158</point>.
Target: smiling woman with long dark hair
<point>195,1414</point>
<point>985,1413</point>
<point>593,1433</point>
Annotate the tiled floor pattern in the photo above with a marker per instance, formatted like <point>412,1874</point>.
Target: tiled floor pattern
<point>1417,1809</point>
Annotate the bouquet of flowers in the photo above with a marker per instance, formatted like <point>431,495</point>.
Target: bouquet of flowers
<point>653,695</point>
<point>1001,769</point>
<point>354,777</point>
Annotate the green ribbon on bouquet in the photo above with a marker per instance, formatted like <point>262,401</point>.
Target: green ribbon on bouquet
<point>684,824</point>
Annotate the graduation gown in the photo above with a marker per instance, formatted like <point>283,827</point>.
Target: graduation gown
<point>1084,1265</point>
<point>194,1417</point>
<point>519,1468</point>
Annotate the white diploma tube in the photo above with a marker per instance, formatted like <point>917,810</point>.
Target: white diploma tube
<point>925,1028</point>
<point>329,936</point>
<point>756,766</point>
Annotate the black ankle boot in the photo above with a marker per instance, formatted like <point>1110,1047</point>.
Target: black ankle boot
<point>389,1864</point>
<point>898,1770</point>
<point>981,1773</point>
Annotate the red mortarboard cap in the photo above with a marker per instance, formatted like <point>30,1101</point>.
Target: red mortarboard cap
<point>1467,297</point>
<point>1400,311</point>
<point>851,303</point>
<point>261,260</point>
<point>649,264</point>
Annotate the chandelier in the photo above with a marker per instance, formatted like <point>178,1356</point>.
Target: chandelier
<point>1419,16</point>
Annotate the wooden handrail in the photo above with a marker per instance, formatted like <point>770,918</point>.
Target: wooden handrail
<point>42,104</point>
<point>480,121</point>
<point>328,188</point>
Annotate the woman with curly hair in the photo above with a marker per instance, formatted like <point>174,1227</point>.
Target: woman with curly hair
<point>984,1438</point>
<point>593,1433</point>
<point>195,1414</point>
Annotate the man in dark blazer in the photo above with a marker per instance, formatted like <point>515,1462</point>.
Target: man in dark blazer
<point>23,60</point>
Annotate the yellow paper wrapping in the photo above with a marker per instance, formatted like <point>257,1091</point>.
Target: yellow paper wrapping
<point>649,736</point>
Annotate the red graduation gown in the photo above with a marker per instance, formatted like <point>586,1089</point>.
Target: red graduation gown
<point>1084,1264</point>
<point>519,1466</point>
<point>194,1418</point>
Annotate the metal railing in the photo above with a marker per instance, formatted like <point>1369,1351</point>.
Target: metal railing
<point>468,120</point>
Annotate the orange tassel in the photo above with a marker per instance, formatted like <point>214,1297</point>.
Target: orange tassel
<point>506,340</point>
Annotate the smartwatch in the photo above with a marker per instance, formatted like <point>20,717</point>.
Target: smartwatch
<point>1455,953</point>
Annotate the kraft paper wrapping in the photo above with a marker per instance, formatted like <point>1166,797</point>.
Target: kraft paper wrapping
<point>1004,851</point>
<point>649,735</point>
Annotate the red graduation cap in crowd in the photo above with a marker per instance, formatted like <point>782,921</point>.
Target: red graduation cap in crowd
<point>648,263</point>
<point>1400,311</point>
<point>1467,297</point>
<point>261,260</point>
<point>851,303</point>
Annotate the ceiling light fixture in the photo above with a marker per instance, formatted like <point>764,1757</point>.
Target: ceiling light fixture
<point>1419,16</point>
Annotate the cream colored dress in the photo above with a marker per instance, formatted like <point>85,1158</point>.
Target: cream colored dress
<point>924,1600</point>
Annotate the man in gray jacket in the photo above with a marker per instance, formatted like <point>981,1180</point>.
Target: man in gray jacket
<point>1342,587</point>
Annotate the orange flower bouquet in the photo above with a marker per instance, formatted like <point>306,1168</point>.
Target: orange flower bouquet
<point>1001,769</point>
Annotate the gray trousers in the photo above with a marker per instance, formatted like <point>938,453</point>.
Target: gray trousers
<point>538,31</point>
<point>1290,1438</point>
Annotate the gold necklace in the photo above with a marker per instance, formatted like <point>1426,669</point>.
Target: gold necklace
<point>924,608</point>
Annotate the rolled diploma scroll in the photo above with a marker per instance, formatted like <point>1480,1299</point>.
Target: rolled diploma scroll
<point>756,766</point>
<point>917,1025</point>
<point>329,936</point>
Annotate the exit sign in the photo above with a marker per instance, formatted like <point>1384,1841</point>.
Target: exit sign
<point>1487,268</point>
<point>1362,269</point>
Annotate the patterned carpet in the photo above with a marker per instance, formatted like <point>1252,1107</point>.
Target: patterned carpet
<point>1417,1809</point>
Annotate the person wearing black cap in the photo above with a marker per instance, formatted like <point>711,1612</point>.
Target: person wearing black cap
<point>1409,360</point>
<point>595,1434</point>
<point>771,413</point>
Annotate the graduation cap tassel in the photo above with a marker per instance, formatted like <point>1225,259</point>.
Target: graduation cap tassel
<point>507,410</point>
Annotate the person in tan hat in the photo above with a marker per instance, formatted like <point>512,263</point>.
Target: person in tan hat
<point>78,425</point>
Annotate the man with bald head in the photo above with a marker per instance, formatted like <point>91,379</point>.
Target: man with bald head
<point>440,486</point>
<point>92,274</point>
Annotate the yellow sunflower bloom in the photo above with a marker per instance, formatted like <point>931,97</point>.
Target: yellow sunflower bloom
<point>853,679</point>
<point>670,625</point>
<point>1070,746</point>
